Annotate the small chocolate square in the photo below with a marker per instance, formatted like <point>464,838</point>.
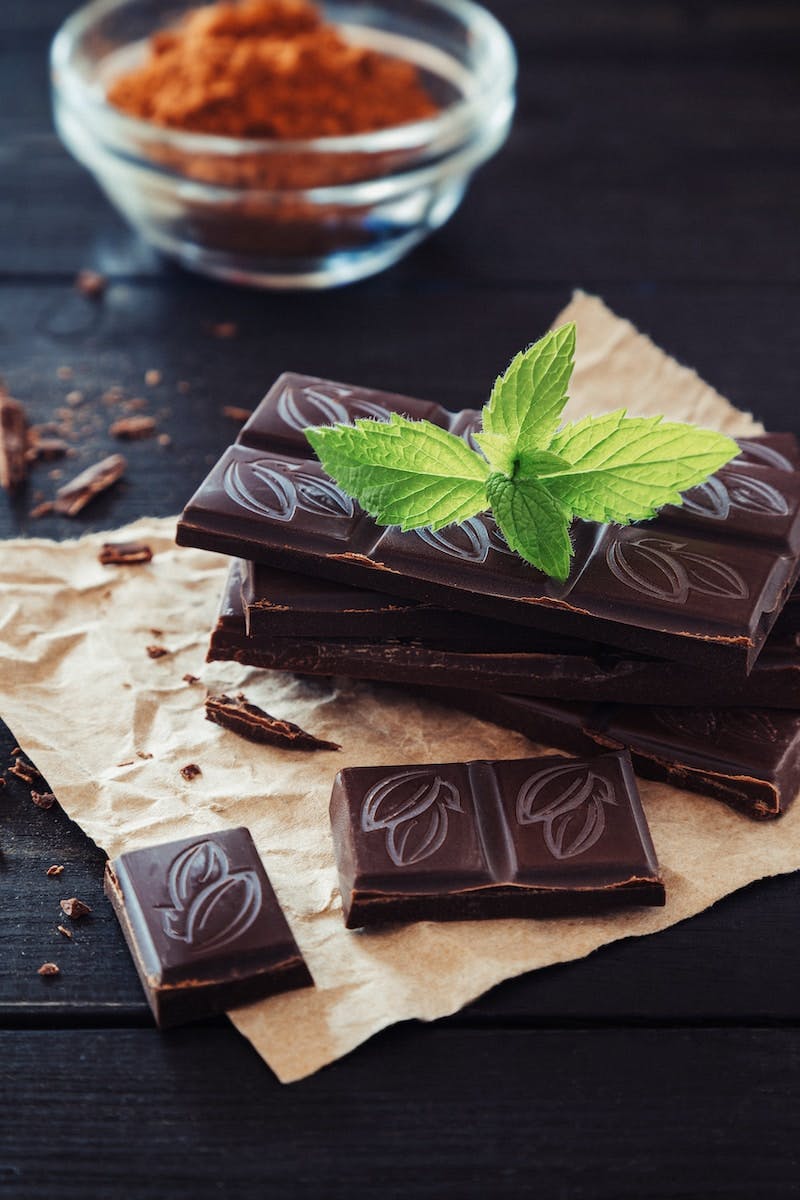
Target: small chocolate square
<point>203,925</point>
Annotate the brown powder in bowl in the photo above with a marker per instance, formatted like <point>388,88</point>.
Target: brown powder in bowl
<point>268,69</point>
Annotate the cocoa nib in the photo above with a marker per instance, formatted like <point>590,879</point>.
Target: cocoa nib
<point>56,869</point>
<point>43,799</point>
<point>157,651</point>
<point>251,722</point>
<point>90,283</point>
<point>190,772</point>
<point>131,428</point>
<point>75,908</point>
<point>75,495</point>
<point>48,969</point>
<point>118,554</point>
<point>13,443</point>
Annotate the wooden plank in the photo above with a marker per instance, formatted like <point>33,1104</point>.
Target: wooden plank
<point>421,1113</point>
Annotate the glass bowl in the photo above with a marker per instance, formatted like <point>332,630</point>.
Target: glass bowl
<point>299,214</point>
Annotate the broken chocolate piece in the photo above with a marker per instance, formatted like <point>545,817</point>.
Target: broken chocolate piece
<point>75,908</point>
<point>24,771</point>
<point>43,799</point>
<point>54,870</point>
<point>117,554</point>
<point>203,925</point>
<point>131,428</point>
<point>75,495</point>
<point>66,932</point>
<point>48,969</point>
<point>13,443</point>
<point>251,722</point>
<point>190,772</point>
<point>531,837</point>
<point>157,651</point>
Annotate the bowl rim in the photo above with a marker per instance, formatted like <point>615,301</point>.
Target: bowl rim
<point>500,68</point>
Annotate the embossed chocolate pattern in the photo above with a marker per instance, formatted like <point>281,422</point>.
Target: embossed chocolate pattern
<point>271,488</point>
<point>710,723</point>
<point>470,541</point>
<point>569,802</point>
<point>715,498</point>
<point>304,407</point>
<point>668,571</point>
<point>412,807</point>
<point>212,906</point>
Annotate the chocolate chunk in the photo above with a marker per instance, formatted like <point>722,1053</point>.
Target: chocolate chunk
<point>13,443</point>
<point>521,838</point>
<point>75,908</point>
<point>191,679</point>
<point>190,772</point>
<point>750,759</point>
<point>63,930</point>
<point>251,722</point>
<point>155,651</point>
<point>499,657</point>
<point>48,970</point>
<point>24,771</point>
<point>702,584</point>
<point>203,925</point>
<point>132,428</point>
<point>43,799</point>
<point>124,554</point>
<point>75,495</point>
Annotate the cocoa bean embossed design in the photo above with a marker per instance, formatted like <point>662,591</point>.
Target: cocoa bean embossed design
<point>468,541</point>
<point>707,723</point>
<point>715,498</point>
<point>212,905</point>
<point>569,802</point>
<point>756,451</point>
<point>412,808</point>
<point>303,407</point>
<point>270,488</point>
<point>666,570</point>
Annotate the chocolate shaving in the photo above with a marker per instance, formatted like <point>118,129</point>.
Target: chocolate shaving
<point>74,908</point>
<point>56,869</point>
<point>66,932</point>
<point>90,283</point>
<point>43,799</point>
<point>190,772</point>
<point>131,428</point>
<point>157,651</point>
<point>251,722</point>
<point>75,495</point>
<point>234,413</point>
<point>48,969</point>
<point>13,443</point>
<point>124,554</point>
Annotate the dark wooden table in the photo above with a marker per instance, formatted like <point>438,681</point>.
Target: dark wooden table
<point>656,160</point>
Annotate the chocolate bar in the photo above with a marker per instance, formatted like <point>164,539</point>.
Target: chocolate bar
<point>532,837</point>
<point>750,759</point>
<point>510,658</point>
<point>701,584</point>
<point>203,925</point>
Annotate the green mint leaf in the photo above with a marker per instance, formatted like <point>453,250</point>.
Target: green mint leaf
<point>533,521</point>
<point>407,473</point>
<point>500,451</point>
<point>625,468</point>
<point>527,401</point>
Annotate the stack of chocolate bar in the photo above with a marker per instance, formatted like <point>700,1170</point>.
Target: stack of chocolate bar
<point>677,638</point>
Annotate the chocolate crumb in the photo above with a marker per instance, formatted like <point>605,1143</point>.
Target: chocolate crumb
<point>190,772</point>
<point>25,771</point>
<point>190,679</point>
<point>224,330</point>
<point>251,722</point>
<point>127,763</point>
<point>48,969</point>
<point>124,554</point>
<point>74,398</point>
<point>164,439</point>
<point>56,869</point>
<point>73,497</point>
<point>132,428</point>
<point>91,283</point>
<point>74,908</point>
<point>16,750</point>
<point>64,372</point>
<point>157,651</point>
<point>66,932</point>
<point>143,754</point>
<point>43,799</point>
<point>152,377</point>
<point>41,510</point>
<point>234,413</point>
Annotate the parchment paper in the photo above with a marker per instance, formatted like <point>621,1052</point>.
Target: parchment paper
<point>82,697</point>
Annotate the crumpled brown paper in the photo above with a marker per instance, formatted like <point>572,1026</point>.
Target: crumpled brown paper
<point>82,697</point>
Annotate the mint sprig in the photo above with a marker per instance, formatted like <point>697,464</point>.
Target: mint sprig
<point>533,476</point>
